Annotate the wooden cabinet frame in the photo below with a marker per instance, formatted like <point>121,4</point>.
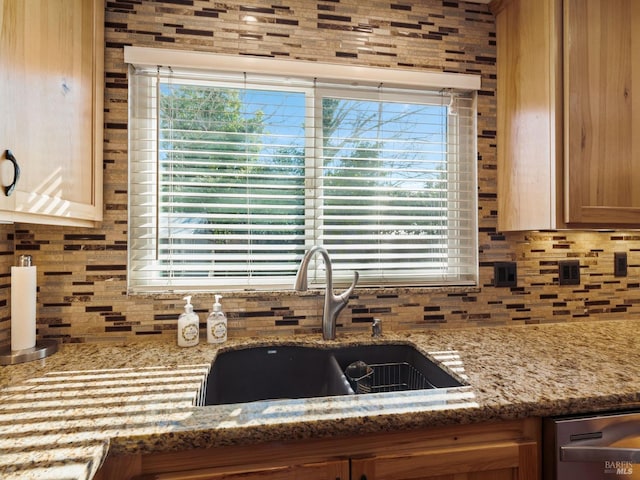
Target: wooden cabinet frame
<point>509,448</point>
<point>52,95</point>
<point>568,120</point>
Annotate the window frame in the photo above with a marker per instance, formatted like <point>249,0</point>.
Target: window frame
<point>287,282</point>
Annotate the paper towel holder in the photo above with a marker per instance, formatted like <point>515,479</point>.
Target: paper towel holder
<point>24,261</point>
<point>42,348</point>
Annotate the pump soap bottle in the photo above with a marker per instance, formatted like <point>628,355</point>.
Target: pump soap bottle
<point>217,324</point>
<point>188,326</point>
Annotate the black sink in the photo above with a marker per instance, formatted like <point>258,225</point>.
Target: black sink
<point>262,373</point>
<point>278,372</point>
<point>393,368</point>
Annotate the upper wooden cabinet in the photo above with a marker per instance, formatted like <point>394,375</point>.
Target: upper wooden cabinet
<point>51,92</point>
<point>568,123</point>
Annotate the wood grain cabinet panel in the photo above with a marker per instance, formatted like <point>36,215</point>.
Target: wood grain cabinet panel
<point>337,470</point>
<point>491,461</point>
<point>506,450</point>
<point>602,122</point>
<point>51,92</point>
<point>568,121</point>
<point>529,124</point>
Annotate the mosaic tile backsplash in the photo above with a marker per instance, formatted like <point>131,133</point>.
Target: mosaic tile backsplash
<point>82,272</point>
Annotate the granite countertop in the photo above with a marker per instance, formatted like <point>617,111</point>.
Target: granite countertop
<point>61,415</point>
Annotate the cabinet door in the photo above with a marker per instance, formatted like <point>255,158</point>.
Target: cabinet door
<point>529,119</point>
<point>491,451</point>
<point>508,461</point>
<point>338,470</point>
<point>602,111</point>
<point>11,55</point>
<point>51,84</point>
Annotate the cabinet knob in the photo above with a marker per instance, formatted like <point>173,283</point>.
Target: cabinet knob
<point>8,190</point>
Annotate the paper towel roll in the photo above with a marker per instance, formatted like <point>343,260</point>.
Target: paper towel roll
<point>23,307</point>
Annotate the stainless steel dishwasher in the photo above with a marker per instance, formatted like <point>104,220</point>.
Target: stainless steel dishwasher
<point>595,447</point>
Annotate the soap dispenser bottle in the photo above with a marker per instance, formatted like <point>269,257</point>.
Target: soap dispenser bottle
<point>188,326</point>
<point>217,324</point>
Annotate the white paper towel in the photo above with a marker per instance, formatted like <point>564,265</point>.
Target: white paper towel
<point>23,307</point>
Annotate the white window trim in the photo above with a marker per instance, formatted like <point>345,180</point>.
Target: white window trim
<point>143,57</point>
<point>147,56</point>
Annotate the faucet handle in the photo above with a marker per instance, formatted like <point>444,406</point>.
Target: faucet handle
<point>347,293</point>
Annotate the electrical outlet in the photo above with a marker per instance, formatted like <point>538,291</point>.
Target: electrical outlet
<point>569,272</point>
<point>620,264</point>
<point>505,274</point>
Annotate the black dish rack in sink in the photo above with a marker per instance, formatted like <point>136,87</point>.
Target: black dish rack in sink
<point>385,377</point>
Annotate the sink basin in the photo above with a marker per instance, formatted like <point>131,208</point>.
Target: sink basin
<point>277,372</point>
<point>262,373</point>
<point>394,368</point>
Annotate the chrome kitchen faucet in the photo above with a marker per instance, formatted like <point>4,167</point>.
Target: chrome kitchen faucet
<point>333,304</point>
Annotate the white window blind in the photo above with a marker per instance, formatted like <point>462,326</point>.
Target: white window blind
<point>233,176</point>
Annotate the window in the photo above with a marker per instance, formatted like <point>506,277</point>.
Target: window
<point>234,175</point>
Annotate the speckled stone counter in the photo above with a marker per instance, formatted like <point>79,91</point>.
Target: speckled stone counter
<point>60,416</point>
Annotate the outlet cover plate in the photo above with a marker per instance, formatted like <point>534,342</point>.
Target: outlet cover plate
<point>620,264</point>
<point>569,272</point>
<point>505,274</point>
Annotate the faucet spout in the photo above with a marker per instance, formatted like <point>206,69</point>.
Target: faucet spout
<point>333,304</point>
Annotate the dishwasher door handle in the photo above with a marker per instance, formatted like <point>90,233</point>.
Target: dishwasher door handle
<point>594,453</point>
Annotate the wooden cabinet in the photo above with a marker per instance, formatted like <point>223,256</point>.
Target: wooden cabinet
<point>568,122</point>
<point>188,466</point>
<point>602,106</point>
<point>51,92</point>
<point>336,470</point>
<point>506,450</point>
<point>333,470</point>
<point>490,462</point>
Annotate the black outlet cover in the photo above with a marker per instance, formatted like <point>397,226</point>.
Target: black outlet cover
<point>505,274</point>
<point>569,272</point>
<point>620,264</point>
